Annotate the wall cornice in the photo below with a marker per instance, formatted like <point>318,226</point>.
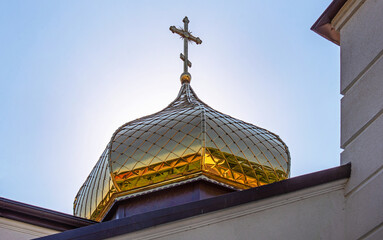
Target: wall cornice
<point>345,13</point>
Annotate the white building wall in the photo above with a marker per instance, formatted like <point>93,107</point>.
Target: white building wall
<point>10,229</point>
<point>361,31</point>
<point>313,213</point>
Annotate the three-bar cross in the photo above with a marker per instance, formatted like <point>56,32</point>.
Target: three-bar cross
<point>187,36</point>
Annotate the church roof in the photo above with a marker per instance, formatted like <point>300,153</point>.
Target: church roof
<point>323,25</point>
<point>185,140</point>
<point>39,216</point>
<point>146,220</point>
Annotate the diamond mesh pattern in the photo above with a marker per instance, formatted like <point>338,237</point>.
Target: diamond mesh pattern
<point>186,138</point>
<point>248,154</point>
<point>156,152</point>
<point>97,190</point>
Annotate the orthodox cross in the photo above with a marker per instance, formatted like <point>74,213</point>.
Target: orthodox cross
<point>187,36</point>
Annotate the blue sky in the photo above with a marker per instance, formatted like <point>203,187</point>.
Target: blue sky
<point>72,72</point>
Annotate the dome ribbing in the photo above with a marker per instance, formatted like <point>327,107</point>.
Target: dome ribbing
<point>186,140</point>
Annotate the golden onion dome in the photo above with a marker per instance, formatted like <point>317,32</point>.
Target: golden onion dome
<point>186,140</point>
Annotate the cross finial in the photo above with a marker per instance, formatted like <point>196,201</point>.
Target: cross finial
<point>187,36</point>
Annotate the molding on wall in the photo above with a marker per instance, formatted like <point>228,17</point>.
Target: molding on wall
<point>364,182</point>
<point>345,13</point>
<point>361,130</point>
<point>24,228</point>
<point>372,232</point>
<point>41,217</point>
<point>363,72</point>
<point>212,219</point>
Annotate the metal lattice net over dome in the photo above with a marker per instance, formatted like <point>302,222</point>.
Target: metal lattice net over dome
<point>185,140</point>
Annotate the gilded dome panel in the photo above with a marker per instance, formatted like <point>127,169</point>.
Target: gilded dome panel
<point>96,191</point>
<point>157,148</point>
<point>251,155</point>
<point>186,139</point>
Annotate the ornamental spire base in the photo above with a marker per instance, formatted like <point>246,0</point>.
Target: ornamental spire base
<point>185,78</point>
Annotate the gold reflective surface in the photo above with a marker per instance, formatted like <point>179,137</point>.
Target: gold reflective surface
<point>186,139</point>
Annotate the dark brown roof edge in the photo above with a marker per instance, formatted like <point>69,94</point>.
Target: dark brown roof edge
<point>40,216</point>
<point>323,25</point>
<point>141,221</point>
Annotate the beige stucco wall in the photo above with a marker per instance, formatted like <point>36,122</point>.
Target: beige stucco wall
<point>314,213</point>
<point>10,229</point>
<point>361,31</point>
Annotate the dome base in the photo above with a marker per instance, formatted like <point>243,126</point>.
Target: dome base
<point>190,191</point>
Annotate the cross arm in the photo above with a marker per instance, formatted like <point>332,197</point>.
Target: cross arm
<point>178,31</point>
<point>185,34</point>
<point>195,39</point>
<point>183,59</point>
